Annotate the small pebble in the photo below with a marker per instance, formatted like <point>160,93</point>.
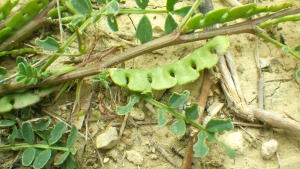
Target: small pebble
<point>144,133</point>
<point>268,149</point>
<point>134,157</point>
<point>105,160</point>
<point>115,154</point>
<point>108,139</point>
<point>235,141</point>
<point>153,157</point>
<point>137,114</point>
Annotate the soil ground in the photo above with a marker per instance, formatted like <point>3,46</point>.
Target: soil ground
<point>281,92</point>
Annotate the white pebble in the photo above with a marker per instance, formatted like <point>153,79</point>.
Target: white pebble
<point>137,114</point>
<point>108,139</point>
<point>268,149</point>
<point>134,157</point>
<point>153,157</point>
<point>235,141</point>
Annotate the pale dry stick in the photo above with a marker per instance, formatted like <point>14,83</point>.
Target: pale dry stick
<point>279,161</point>
<point>121,161</point>
<point>122,128</point>
<point>54,116</point>
<point>260,98</point>
<point>238,105</point>
<point>212,111</point>
<point>247,124</point>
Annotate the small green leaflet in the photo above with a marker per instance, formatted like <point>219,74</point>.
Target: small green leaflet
<point>219,125</point>
<point>126,109</point>
<point>170,24</point>
<point>62,158</point>
<point>57,132</point>
<point>49,43</point>
<point>27,132</point>
<point>142,3</point>
<point>112,8</point>
<point>200,148</point>
<point>112,22</point>
<point>177,100</point>
<point>178,127</point>
<point>170,4</point>
<point>144,30</point>
<point>7,123</point>
<point>72,136</point>
<point>42,159</point>
<point>84,7</point>
<point>161,118</point>
<point>191,112</point>
<point>28,156</point>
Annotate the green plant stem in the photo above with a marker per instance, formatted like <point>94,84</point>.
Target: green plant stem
<point>260,33</point>
<point>189,14</point>
<point>173,112</point>
<point>142,11</point>
<point>41,146</point>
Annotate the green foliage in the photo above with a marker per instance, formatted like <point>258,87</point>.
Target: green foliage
<point>22,99</point>
<point>49,44</point>
<point>42,154</point>
<point>6,8</point>
<point>178,127</point>
<point>57,132</point>
<point>223,15</point>
<point>102,78</point>
<point>177,100</point>
<point>191,112</point>
<point>27,132</point>
<point>21,17</point>
<point>126,109</point>
<point>142,3</point>
<point>83,7</point>
<point>179,72</point>
<point>170,4</point>
<point>7,123</point>
<point>27,74</point>
<point>170,24</point>
<point>144,30</point>
<point>162,120</point>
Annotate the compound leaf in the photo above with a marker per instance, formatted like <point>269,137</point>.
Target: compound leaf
<point>161,118</point>
<point>28,156</point>
<point>42,159</point>
<point>126,109</point>
<point>200,148</point>
<point>219,125</point>
<point>178,127</point>
<point>57,132</point>
<point>27,132</point>
<point>170,24</point>
<point>177,100</point>
<point>144,30</point>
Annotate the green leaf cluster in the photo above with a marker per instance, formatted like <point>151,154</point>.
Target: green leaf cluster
<point>20,18</point>
<point>43,153</point>
<point>179,72</point>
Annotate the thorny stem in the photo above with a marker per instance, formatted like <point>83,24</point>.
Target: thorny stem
<point>171,39</point>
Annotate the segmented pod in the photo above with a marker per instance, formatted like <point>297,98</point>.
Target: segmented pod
<point>177,73</point>
<point>223,15</point>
